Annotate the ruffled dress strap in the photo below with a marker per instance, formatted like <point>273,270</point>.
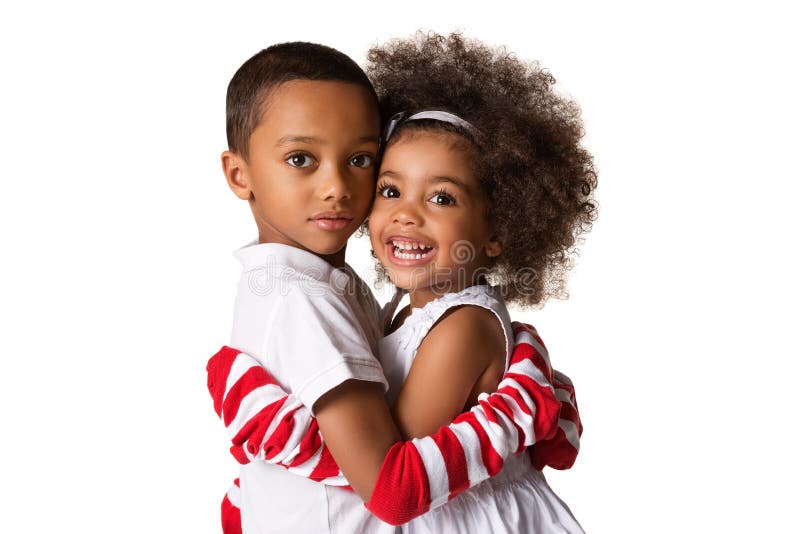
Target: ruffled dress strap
<point>423,319</point>
<point>390,308</point>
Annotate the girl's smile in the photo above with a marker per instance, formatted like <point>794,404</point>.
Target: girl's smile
<point>408,252</point>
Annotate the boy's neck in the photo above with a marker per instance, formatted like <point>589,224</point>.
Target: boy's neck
<point>335,260</point>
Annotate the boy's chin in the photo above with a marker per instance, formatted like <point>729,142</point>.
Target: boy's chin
<point>327,249</point>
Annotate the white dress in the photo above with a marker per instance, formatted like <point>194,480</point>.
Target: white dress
<point>518,499</point>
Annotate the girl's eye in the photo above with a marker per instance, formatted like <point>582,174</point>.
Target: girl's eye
<point>363,161</point>
<point>443,199</point>
<point>388,191</point>
<point>300,160</point>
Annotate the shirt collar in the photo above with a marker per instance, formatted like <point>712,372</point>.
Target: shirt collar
<point>257,255</point>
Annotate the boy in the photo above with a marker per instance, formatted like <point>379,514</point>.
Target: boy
<point>303,130</point>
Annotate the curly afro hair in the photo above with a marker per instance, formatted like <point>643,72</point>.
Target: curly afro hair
<point>537,178</point>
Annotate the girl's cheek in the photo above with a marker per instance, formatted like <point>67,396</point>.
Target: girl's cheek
<point>374,234</point>
<point>375,221</point>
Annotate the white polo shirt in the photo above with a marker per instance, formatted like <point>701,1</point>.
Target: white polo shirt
<point>313,327</point>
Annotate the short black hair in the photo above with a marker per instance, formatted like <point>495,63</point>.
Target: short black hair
<point>252,84</point>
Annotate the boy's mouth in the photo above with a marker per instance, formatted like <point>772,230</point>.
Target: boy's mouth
<point>405,251</point>
<point>332,220</point>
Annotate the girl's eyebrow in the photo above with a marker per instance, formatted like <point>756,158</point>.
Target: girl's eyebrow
<point>450,180</point>
<point>433,179</point>
<point>391,174</point>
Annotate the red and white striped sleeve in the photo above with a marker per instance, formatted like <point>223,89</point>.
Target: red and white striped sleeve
<point>267,424</point>
<point>230,510</point>
<point>560,451</point>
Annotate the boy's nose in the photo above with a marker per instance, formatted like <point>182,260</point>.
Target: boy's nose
<point>334,186</point>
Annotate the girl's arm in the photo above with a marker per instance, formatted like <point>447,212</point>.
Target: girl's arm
<point>267,424</point>
<point>467,346</point>
<point>463,355</point>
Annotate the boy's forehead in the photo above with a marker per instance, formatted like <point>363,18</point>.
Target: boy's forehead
<point>321,106</point>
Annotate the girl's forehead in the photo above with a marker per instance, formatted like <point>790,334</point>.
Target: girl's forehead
<point>450,139</point>
<point>429,150</point>
<point>430,159</point>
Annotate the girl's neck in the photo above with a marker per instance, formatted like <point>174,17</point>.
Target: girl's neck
<point>420,297</point>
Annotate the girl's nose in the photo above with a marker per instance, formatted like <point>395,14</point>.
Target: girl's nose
<point>406,215</point>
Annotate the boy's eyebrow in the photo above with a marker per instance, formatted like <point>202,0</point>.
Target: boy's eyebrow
<point>310,140</point>
<point>287,139</point>
<point>368,138</point>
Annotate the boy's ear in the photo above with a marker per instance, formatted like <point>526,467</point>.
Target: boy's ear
<point>235,169</point>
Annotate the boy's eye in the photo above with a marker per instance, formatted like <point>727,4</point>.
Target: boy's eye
<point>362,161</point>
<point>388,191</point>
<point>300,160</point>
<point>443,199</point>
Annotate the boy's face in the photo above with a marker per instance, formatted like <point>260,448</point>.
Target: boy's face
<point>310,172</point>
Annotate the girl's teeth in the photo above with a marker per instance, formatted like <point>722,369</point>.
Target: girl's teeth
<point>398,252</point>
<point>403,245</point>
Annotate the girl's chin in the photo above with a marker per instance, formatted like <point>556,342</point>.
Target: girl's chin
<point>411,284</point>
<point>405,282</point>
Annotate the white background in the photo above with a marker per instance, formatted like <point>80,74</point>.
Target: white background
<point>117,279</point>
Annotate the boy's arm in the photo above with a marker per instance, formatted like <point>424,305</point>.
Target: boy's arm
<point>358,430</point>
<point>560,451</point>
<point>415,476</point>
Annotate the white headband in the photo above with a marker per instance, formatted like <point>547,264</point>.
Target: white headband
<point>441,116</point>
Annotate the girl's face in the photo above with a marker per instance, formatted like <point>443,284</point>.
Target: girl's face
<point>428,225</point>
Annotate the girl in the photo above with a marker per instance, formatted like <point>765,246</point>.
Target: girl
<point>482,192</point>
